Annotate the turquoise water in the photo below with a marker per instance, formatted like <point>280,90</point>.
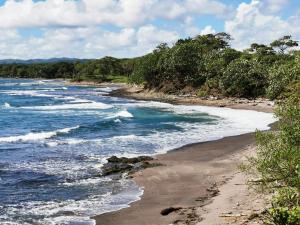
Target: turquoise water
<point>54,139</point>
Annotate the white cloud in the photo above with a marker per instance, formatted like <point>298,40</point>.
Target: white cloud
<point>150,36</point>
<point>76,28</point>
<point>252,23</point>
<point>124,28</point>
<point>124,13</point>
<point>208,30</point>
<point>88,42</point>
<point>274,6</point>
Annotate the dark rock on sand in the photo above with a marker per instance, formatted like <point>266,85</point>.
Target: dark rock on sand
<point>169,210</point>
<point>117,165</point>
<point>111,168</point>
<point>115,159</point>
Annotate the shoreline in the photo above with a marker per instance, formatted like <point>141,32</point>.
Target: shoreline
<point>188,179</point>
<point>138,93</point>
<point>166,186</point>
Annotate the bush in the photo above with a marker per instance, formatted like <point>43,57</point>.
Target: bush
<point>284,216</point>
<point>243,78</point>
<point>277,164</point>
<point>280,76</point>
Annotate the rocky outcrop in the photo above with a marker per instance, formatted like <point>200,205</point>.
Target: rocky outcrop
<point>116,165</point>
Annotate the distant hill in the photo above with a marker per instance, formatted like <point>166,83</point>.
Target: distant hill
<point>31,61</point>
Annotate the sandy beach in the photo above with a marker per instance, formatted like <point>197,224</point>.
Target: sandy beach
<point>189,178</point>
<point>200,183</point>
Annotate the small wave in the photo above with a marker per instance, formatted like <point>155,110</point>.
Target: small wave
<point>89,105</point>
<point>70,141</point>
<point>126,137</point>
<point>7,105</point>
<point>79,100</point>
<point>36,136</point>
<point>104,89</point>
<point>117,121</point>
<point>26,93</point>
<point>124,114</point>
<point>9,84</point>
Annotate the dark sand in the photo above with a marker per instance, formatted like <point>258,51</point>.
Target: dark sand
<point>188,179</point>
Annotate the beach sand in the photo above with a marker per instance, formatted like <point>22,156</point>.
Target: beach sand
<point>189,179</point>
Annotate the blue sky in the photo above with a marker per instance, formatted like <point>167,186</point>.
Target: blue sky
<point>127,28</point>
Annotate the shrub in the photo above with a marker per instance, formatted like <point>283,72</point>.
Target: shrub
<point>243,78</point>
<point>277,164</point>
<point>280,76</point>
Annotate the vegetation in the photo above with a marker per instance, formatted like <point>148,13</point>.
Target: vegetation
<point>277,164</point>
<point>204,65</point>
<point>100,70</point>
<point>207,65</point>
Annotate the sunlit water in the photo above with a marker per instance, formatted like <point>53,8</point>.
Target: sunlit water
<point>54,139</point>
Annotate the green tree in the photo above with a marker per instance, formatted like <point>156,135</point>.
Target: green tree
<point>244,78</point>
<point>284,43</point>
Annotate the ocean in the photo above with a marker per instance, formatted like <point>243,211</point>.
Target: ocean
<point>55,137</point>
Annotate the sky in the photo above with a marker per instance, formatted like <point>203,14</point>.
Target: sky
<point>128,28</point>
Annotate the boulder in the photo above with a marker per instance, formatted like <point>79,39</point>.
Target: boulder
<point>112,168</point>
<point>116,165</point>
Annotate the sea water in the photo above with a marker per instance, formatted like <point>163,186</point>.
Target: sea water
<point>54,138</point>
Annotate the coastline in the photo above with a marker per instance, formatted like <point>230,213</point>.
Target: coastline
<point>191,176</point>
<point>187,178</point>
<point>138,93</point>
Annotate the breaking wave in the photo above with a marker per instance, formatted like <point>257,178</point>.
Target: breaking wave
<point>87,105</point>
<point>36,136</point>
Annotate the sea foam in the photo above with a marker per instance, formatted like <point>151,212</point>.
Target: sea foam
<point>27,93</point>
<point>124,114</point>
<point>89,105</point>
<point>7,105</point>
<point>121,114</point>
<point>36,136</point>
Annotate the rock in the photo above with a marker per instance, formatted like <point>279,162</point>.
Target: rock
<point>116,165</point>
<point>169,210</point>
<point>111,168</point>
<point>115,159</point>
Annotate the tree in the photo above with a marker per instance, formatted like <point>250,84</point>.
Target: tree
<point>243,78</point>
<point>280,76</point>
<point>210,42</point>
<point>261,49</point>
<point>284,43</point>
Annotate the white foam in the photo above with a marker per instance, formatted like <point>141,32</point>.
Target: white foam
<point>80,100</point>
<point>249,119</point>
<point>82,209</point>
<point>7,105</point>
<point>123,113</point>
<point>117,121</point>
<point>36,136</point>
<point>27,93</point>
<point>89,105</point>
<point>72,141</point>
<point>104,89</point>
